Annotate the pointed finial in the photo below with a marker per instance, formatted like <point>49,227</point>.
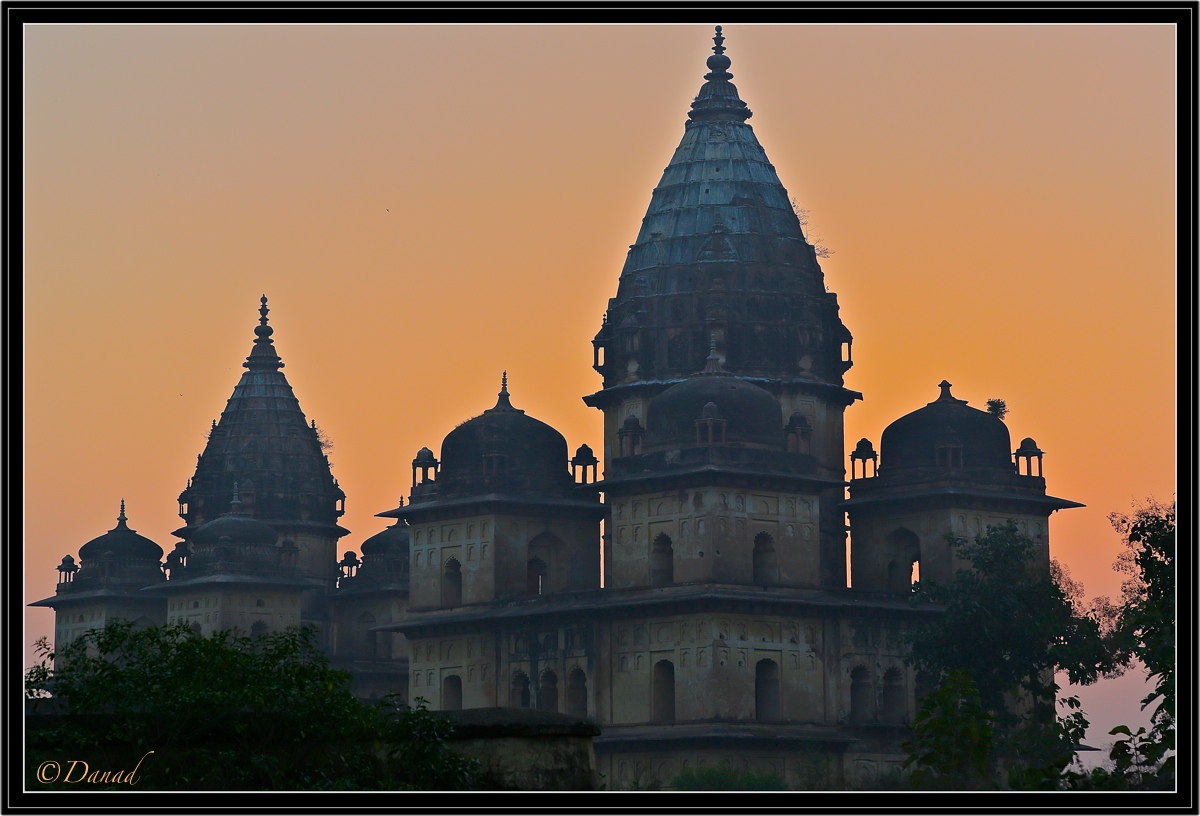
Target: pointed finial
<point>718,98</point>
<point>262,355</point>
<point>502,403</point>
<point>719,48</point>
<point>712,363</point>
<point>401,501</point>
<point>121,517</point>
<point>235,506</point>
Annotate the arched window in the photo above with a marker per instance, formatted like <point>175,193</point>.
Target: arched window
<point>535,576</point>
<point>577,693</point>
<point>662,692</point>
<point>662,561</point>
<point>518,692</point>
<point>766,691</point>
<point>766,560</point>
<point>548,692</point>
<point>902,548</point>
<point>452,693</point>
<point>452,583</point>
<point>892,701</point>
<point>862,696</point>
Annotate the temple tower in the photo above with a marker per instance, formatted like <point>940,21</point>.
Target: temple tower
<point>264,444</point>
<point>721,261</point>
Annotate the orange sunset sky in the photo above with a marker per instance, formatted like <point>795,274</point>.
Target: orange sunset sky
<point>427,205</point>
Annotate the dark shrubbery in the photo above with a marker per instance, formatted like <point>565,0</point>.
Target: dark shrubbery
<point>227,712</point>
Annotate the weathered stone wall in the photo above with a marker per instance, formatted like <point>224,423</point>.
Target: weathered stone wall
<point>528,750</point>
<point>712,533</point>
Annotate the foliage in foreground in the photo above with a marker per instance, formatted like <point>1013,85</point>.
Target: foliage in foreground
<point>724,779</point>
<point>1143,628</point>
<point>229,712</point>
<point>1006,630</point>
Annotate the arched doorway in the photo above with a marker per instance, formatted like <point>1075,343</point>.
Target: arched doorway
<point>766,691</point>
<point>662,692</point>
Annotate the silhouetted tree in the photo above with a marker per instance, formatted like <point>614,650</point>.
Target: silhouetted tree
<point>231,712</point>
<point>1010,629</point>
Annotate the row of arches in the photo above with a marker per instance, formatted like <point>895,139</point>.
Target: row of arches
<point>764,560</point>
<point>573,703</point>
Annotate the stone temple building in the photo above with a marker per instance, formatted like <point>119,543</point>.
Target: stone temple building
<point>727,632</point>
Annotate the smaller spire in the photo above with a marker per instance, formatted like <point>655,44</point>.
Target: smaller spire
<point>712,363</point>
<point>235,506</point>
<point>502,401</point>
<point>121,519</point>
<point>718,98</point>
<point>262,354</point>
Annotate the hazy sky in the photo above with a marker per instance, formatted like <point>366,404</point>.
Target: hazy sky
<point>426,206</point>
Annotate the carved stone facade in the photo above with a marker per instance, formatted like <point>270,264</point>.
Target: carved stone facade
<point>726,633</point>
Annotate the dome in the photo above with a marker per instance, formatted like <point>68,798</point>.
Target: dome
<point>752,416</point>
<point>122,542</point>
<point>392,540</point>
<point>239,529</point>
<point>912,441</point>
<point>503,447</point>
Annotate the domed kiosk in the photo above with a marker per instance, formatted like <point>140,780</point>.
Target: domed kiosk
<point>107,583</point>
<point>500,516</point>
<point>946,469</point>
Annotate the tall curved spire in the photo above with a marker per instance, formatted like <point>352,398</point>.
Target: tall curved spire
<point>263,452</point>
<point>720,253</point>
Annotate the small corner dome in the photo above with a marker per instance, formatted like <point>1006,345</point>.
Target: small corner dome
<point>753,417</point>
<point>913,439</point>
<point>122,542</point>
<point>392,540</point>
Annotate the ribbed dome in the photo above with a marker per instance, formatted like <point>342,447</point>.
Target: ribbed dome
<point>503,449</point>
<point>752,416</point>
<point>122,542</point>
<point>721,247</point>
<point>392,540</point>
<point>912,441</point>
